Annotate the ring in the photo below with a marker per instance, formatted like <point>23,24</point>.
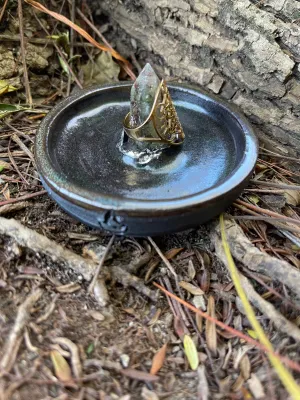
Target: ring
<point>164,119</point>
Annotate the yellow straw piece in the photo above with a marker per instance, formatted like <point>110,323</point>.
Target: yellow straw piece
<point>286,378</point>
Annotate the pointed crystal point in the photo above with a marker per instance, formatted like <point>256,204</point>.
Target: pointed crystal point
<point>142,95</point>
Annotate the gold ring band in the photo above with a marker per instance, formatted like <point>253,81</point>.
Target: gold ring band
<point>164,119</point>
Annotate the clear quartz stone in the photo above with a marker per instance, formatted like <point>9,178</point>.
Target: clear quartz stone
<point>142,97</point>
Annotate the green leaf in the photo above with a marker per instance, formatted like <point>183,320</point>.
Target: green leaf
<point>75,57</point>
<point>90,349</point>
<point>64,65</point>
<point>62,40</point>
<point>191,352</point>
<point>5,87</point>
<point>6,109</point>
<point>252,333</point>
<point>254,199</point>
<point>4,165</point>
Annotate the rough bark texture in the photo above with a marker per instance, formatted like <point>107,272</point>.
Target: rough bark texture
<point>247,53</point>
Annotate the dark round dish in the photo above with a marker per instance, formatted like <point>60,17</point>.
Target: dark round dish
<point>85,173</point>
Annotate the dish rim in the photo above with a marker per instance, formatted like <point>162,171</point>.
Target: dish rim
<point>100,201</point>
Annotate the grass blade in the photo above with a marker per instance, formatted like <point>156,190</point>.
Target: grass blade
<point>286,378</point>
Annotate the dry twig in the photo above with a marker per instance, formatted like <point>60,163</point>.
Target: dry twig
<point>16,333</point>
<point>21,198</point>
<point>3,9</point>
<point>163,257</point>
<point>100,264</point>
<point>23,54</point>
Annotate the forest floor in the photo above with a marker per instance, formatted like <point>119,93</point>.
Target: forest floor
<point>123,338</point>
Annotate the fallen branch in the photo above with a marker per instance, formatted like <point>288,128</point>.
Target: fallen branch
<point>16,333</point>
<point>249,255</point>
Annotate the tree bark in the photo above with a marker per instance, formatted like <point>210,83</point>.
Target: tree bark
<point>245,52</point>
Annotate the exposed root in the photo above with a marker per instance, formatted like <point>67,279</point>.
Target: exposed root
<point>281,323</point>
<point>40,244</point>
<point>249,255</point>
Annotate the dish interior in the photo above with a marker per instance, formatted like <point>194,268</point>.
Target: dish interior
<point>83,139</point>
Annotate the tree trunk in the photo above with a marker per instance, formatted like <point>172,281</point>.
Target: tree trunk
<point>245,52</point>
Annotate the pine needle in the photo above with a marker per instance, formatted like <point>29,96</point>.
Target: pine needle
<point>284,375</point>
<point>249,339</point>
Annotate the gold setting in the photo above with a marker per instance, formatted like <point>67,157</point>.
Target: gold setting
<point>163,116</point>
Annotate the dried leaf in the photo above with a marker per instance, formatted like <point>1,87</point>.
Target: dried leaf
<point>155,317</point>
<point>203,387</point>
<point>238,384</point>
<point>149,394</point>
<point>191,288</point>
<point>69,288</point>
<point>199,322</point>
<point>199,302</point>
<point>256,387</point>
<point>6,193</point>
<point>191,270</point>
<point>158,360</point>
<point>102,70</point>
<point>210,330</point>
<point>75,359</point>
<point>179,327</point>
<point>96,315</point>
<point>254,199</point>
<point>294,260</point>
<point>206,259</point>
<point>205,281</point>
<point>139,375</point>
<point>191,352</point>
<point>61,367</point>
<point>245,367</point>
<point>173,252</point>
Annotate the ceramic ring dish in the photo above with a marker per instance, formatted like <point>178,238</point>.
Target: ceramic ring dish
<point>85,173</point>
